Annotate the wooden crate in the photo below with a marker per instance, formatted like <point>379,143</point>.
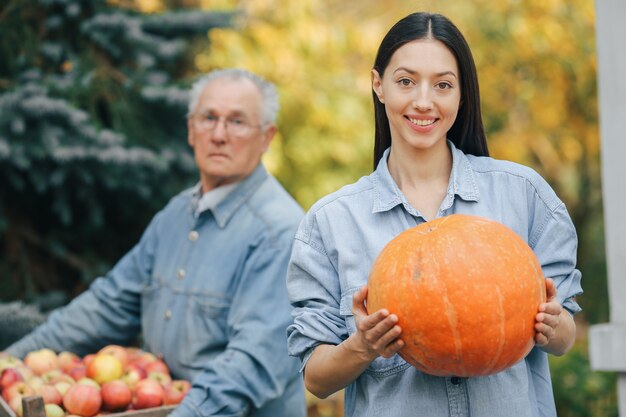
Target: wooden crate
<point>33,407</point>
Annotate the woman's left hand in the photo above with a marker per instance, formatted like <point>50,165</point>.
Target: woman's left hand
<point>549,316</point>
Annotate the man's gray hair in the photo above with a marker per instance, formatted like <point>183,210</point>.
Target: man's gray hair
<point>269,94</point>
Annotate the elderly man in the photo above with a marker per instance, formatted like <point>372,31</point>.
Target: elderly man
<point>205,285</point>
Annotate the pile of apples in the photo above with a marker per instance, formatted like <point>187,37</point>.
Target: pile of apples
<point>114,379</point>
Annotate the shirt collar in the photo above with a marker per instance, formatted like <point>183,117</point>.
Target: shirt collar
<point>231,199</point>
<point>462,183</point>
<point>212,198</point>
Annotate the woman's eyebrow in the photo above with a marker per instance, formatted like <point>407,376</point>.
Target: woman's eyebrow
<point>439,74</point>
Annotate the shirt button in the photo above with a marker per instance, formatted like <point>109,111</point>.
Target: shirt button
<point>455,380</point>
<point>181,273</point>
<point>193,235</point>
<point>167,315</point>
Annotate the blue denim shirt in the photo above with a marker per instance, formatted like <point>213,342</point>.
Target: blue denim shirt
<point>342,234</point>
<point>208,294</point>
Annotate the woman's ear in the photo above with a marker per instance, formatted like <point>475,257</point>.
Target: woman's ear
<point>377,86</point>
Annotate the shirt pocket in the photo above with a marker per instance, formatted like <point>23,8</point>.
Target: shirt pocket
<point>204,329</point>
<point>380,367</point>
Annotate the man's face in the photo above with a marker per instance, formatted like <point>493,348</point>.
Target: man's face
<point>225,132</point>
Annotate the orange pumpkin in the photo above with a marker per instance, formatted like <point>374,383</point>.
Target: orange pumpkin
<point>466,291</point>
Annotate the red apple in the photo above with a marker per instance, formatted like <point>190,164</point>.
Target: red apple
<point>78,372</point>
<point>160,377</point>
<point>8,361</point>
<point>133,374</point>
<point>116,395</point>
<point>88,358</point>
<point>51,376</point>
<point>83,400</point>
<point>114,350</point>
<point>50,394</point>
<point>176,391</point>
<point>62,387</point>
<point>88,381</point>
<point>143,358</point>
<point>8,377</point>
<point>18,388</point>
<point>104,368</point>
<point>68,360</point>
<point>53,410</point>
<point>133,353</point>
<point>157,366</point>
<point>35,382</point>
<point>148,393</point>
<point>26,372</point>
<point>41,361</point>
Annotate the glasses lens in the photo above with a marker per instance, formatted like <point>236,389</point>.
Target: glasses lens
<point>237,127</point>
<point>234,127</point>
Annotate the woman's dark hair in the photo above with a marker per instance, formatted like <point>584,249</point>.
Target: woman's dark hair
<point>467,133</point>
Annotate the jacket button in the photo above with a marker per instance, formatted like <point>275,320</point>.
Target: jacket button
<point>181,273</point>
<point>167,315</point>
<point>193,235</point>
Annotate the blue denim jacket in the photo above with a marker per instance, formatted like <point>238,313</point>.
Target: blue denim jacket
<point>208,294</point>
<point>342,234</point>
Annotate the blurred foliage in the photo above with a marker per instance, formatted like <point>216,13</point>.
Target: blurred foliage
<point>537,70</point>
<point>579,391</point>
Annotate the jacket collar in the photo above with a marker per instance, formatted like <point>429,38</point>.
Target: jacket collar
<point>462,183</point>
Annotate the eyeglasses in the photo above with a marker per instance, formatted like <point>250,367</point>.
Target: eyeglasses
<point>235,126</point>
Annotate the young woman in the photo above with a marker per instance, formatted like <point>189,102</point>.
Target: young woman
<point>431,160</point>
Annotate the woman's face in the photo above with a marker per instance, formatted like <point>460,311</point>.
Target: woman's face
<point>421,91</point>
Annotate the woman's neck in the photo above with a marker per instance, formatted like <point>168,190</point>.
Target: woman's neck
<point>411,167</point>
<point>422,175</point>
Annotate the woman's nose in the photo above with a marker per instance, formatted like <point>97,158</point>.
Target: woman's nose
<point>423,100</point>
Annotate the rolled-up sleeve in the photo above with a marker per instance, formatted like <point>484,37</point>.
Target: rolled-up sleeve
<point>315,294</point>
<point>555,244</point>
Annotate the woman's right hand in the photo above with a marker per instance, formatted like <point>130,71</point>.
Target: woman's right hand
<point>333,367</point>
<point>377,334</point>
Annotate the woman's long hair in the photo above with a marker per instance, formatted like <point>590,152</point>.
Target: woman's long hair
<point>467,133</point>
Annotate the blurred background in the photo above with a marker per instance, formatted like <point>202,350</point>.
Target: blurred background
<point>93,134</point>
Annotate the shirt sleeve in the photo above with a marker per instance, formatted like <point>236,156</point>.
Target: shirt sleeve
<point>107,313</point>
<point>555,243</point>
<point>315,293</point>
<point>254,368</point>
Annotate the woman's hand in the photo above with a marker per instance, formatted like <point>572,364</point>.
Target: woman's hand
<point>548,318</point>
<point>555,329</point>
<point>333,367</point>
<point>377,334</point>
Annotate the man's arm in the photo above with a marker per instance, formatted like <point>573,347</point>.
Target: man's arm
<point>107,313</point>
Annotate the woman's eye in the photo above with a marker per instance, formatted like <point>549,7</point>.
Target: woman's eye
<point>443,85</point>
<point>405,82</point>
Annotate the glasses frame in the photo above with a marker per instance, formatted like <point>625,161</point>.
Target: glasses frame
<point>203,124</point>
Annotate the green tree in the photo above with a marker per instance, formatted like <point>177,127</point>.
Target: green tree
<point>92,134</point>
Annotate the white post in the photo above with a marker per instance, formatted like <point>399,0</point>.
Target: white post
<point>607,342</point>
